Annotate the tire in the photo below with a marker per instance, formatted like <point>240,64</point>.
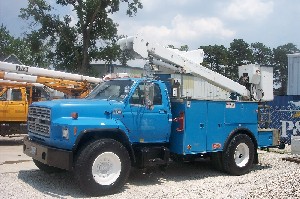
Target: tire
<point>47,168</point>
<point>239,155</point>
<point>216,159</point>
<point>102,167</point>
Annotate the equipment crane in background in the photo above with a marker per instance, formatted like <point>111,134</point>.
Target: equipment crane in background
<point>73,85</point>
<point>27,84</point>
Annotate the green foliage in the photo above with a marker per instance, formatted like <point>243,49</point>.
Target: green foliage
<point>262,55</point>
<point>215,58</point>
<point>184,48</point>
<point>181,48</point>
<point>239,54</point>
<point>23,48</point>
<point>71,44</point>
<point>5,42</point>
<point>76,42</point>
<point>226,61</point>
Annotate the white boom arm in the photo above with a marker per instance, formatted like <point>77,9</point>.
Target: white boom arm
<point>185,62</point>
<point>20,78</point>
<point>12,82</point>
<point>42,72</point>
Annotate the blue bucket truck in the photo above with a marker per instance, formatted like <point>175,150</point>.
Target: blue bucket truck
<point>145,122</point>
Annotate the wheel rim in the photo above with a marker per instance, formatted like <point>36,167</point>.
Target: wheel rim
<point>106,168</point>
<point>241,155</point>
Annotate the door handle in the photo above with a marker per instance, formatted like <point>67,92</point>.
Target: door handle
<point>161,111</point>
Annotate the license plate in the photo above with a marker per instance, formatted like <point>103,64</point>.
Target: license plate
<point>32,150</point>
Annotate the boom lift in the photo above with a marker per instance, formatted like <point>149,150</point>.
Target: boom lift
<point>258,85</point>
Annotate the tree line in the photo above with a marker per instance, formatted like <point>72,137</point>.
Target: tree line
<point>226,60</point>
<point>53,39</point>
<point>60,40</point>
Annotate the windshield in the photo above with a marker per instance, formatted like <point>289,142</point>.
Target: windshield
<point>111,90</point>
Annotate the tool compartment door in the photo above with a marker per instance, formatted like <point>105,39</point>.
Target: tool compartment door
<point>192,140</point>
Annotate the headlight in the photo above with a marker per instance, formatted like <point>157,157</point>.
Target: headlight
<point>65,132</point>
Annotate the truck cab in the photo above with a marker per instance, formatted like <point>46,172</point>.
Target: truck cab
<point>134,106</point>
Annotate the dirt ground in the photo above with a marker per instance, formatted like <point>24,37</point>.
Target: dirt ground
<point>12,158</point>
<point>271,178</point>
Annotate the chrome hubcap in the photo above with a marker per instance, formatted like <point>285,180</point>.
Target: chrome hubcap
<point>241,155</point>
<point>106,168</point>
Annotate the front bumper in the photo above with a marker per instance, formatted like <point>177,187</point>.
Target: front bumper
<point>59,158</point>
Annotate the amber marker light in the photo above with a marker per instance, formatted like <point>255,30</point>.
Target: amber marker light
<point>74,115</point>
<point>75,130</point>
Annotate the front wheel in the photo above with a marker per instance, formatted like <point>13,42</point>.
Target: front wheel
<point>239,155</point>
<point>102,167</point>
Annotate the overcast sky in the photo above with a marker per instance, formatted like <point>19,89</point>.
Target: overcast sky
<point>196,22</point>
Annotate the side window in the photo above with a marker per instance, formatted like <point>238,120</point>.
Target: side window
<point>157,100</point>
<point>16,95</point>
<point>138,96</point>
<point>3,97</point>
<point>36,94</point>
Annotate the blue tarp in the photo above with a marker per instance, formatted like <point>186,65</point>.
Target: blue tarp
<point>285,115</point>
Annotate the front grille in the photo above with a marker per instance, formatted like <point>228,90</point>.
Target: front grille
<point>39,120</point>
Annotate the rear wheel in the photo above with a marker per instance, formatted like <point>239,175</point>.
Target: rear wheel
<point>46,168</point>
<point>239,155</point>
<point>102,167</point>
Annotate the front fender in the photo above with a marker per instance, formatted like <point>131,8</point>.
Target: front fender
<point>119,133</point>
<point>80,126</point>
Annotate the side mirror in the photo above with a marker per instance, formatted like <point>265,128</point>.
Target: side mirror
<point>149,104</point>
<point>149,95</point>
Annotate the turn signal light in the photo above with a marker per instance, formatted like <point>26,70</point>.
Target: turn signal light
<point>75,130</point>
<point>74,115</point>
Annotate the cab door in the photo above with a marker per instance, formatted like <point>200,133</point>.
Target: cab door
<point>14,107</point>
<point>148,123</point>
<point>4,103</point>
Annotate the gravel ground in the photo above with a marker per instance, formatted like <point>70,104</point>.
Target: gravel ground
<point>271,178</point>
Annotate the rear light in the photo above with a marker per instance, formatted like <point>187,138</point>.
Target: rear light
<point>180,120</point>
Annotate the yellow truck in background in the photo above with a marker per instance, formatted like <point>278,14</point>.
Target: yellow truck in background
<point>14,101</point>
<point>22,85</point>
